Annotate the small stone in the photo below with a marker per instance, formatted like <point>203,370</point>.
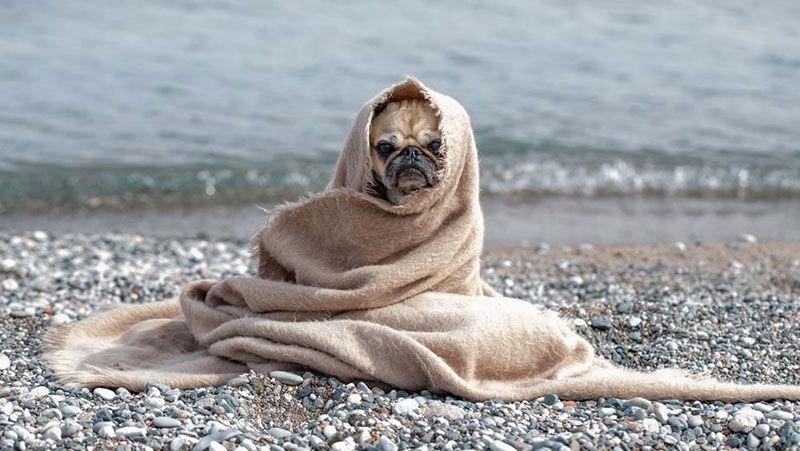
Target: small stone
<point>7,264</point>
<point>131,431</point>
<point>104,393</point>
<point>387,444</point>
<point>761,430</point>
<point>329,431</point>
<point>279,433</point>
<point>551,399</point>
<point>405,406</point>
<point>680,246</point>
<point>216,446</point>
<point>638,402</point>
<point>607,411</point>
<point>53,433</point>
<point>347,444</point>
<point>155,402</point>
<point>780,415</point>
<point>579,322</point>
<point>497,445</point>
<point>743,421</point>
<point>39,235</point>
<point>39,392</point>
<point>106,431</point>
<point>439,409</point>
<point>600,323</point>
<point>748,342</point>
<point>677,423</point>
<point>660,412</point>
<point>634,322</point>
<point>695,421</point>
<point>5,362</point>
<point>287,378</point>
<point>355,398</point>
<point>10,285</point>
<point>166,422</point>
<point>651,425</point>
<point>625,307</point>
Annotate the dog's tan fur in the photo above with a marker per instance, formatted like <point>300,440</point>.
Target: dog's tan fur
<point>403,123</point>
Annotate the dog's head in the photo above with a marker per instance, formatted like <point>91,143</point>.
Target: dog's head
<point>405,146</point>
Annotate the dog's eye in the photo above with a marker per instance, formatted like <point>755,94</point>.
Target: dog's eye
<point>435,145</point>
<point>385,149</point>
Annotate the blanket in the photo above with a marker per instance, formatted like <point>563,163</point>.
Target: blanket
<point>353,286</point>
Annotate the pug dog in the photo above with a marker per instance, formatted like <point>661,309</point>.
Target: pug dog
<point>405,149</point>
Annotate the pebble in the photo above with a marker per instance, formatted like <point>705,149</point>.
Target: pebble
<point>287,378</point>
<point>39,392</point>
<point>131,431</point>
<point>387,444</point>
<point>10,285</point>
<point>780,415</point>
<point>405,406</point>
<point>660,412</point>
<point>638,402</point>
<point>600,323</point>
<point>53,433</point>
<point>743,421</point>
<point>104,393</point>
<point>279,433</point>
<point>5,362</point>
<point>166,422</point>
<point>761,430</point>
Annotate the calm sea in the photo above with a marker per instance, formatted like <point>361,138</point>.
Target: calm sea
<point>156,103</point>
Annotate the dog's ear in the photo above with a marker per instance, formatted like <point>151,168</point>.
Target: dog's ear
<point>379,109</point>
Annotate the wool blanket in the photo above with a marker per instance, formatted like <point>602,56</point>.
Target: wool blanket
<point>355,287</point>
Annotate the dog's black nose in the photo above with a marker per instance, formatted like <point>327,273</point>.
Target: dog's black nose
<point>412,151</point>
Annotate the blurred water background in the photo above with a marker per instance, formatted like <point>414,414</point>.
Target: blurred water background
<point>151,105</point>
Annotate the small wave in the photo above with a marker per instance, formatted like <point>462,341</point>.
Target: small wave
<point>621,178</point>
<point>61,191</point>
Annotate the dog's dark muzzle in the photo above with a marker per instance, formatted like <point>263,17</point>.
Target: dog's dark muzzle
<point>412,163</point>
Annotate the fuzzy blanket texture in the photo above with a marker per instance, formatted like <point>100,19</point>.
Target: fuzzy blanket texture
<point>352,286</point>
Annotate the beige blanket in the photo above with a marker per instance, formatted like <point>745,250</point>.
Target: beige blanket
<point>352,286</point>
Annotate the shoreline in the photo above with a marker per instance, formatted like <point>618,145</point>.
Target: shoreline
<point>509,221</point>
<point>725,309</point>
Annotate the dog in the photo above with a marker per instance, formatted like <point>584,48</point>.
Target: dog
<point>405,149</point>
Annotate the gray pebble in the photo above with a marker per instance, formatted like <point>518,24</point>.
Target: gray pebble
<point>279,433</point>
<point>286,377</point>
<point>387,444</point>
<point>166,422</point>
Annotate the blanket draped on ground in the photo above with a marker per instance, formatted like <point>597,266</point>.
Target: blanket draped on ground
<point>352,286</point>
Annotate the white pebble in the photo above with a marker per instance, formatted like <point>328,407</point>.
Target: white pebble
<point>498,445</point>
<point>104,393</point>
<point>39,392</point>
<point>10,285</point>
<point>5,362</point>
<point>286,377</point>
<point>7,264</point>
<point>405,406</point>
<point>355,398</point>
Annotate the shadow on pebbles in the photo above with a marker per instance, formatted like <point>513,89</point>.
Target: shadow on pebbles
<point>727,309</point>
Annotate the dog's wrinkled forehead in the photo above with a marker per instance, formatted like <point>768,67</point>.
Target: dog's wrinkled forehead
<point>412,120</point>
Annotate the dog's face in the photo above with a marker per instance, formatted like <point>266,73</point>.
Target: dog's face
<point>404,148</point>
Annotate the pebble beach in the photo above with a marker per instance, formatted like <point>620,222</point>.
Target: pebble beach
<point>729,310</point>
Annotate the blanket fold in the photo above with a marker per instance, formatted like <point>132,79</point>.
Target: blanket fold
<point>353,286</point>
